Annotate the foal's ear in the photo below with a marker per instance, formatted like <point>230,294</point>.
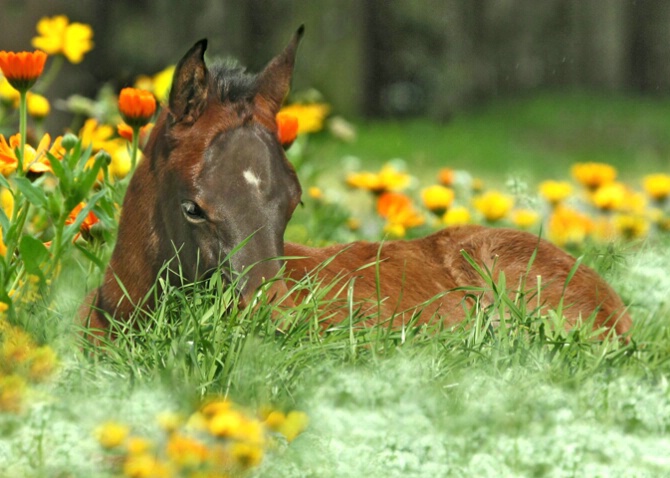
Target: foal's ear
<point>188,95</point>
<point>274,81</point>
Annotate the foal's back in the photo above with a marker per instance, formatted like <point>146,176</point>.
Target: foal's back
<point>427,273</point>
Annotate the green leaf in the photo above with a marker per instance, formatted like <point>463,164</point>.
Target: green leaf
<point>34,194</point>
<point>63,174</point>
<point>34,255</point>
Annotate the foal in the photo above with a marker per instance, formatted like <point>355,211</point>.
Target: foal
<point>216,175</point>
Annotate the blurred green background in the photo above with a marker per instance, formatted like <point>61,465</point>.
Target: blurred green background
<point>488,85</point>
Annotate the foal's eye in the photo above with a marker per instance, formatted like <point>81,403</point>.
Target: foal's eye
<point>192,211</point>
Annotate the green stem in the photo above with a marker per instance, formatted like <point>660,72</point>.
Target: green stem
<point>47,78</point>
<point>135,147</point>
<point>23,127</point>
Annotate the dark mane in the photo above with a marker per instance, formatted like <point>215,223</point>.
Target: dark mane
<point>233,83</point>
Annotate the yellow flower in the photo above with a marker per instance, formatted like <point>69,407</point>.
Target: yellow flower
<point>145,466</point>
<point>38,106</point>
<point>394,229</point>
<point>310,116</point>
<point>12,389</point>
<point>216,406</point>
<point>169,421</point>
<point>593,175</point>
<point>275,420</point>
<point>225,423</point>
<point>631,226</point>
<point>555,192</point>
<point>246,455</point>
<point>8,94</point>
<point>657,186</point>
<point>525,218</point>
<point>159,84</point>
<point>186,452</point>
<point>569,227</point>
<point>42,363</point>
<point>295,423</point>
<point>7,202</point>
<point>387,179</point>
<point>456,216</point>
<point>58,35</point>
<point>138,445</point>
<point>610,197</point>
<point>15,348</point>
<point>315,193</point>
<point>97,136</point>
<point>111,434</point>
<point>493,205</point>
<point>437,198</point>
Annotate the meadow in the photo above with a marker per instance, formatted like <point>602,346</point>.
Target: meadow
<point>204,388</point>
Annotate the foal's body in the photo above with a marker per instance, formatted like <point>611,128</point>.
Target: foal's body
<point>215,176</point>
<point>433,276</point>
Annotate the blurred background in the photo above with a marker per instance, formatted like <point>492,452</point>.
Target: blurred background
<point>379,58</point>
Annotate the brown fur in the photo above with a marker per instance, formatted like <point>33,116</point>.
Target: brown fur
<point>422,274</point>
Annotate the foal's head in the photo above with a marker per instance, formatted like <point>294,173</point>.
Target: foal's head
<point>218,171</point>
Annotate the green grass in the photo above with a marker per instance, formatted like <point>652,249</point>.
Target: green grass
<point>523,399</point>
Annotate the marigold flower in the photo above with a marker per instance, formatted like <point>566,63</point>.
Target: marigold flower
<point>387,179</point>
<point>136,106</point>
<point>568,227</point>
<point>159,84</point>
<point>126,132</point>
<point>493,205</point>
<point>295,423</point>
<point>287,128</point>
<point>186,452</point>
<point>89,221</point>
<point>12,389</point>
<point>310,116</point>
<point>609,197</point>
<point>593,175</point>
<point>555,192</point>
<point>58,35</point>
<point>457,216</point>
<point>97,136</point>
<point>437,198</point>
<point>225,423</point>
<point>22,69</point>
<point>7,202</point>
<point>35,160</point>
<point>111,434</point>
<point>315,193</point>
<point>145,466</point>
<point>42,363</point>
<point>525,218</point>
<point>246,455</point>
<point>446,176</point>
<point>38,106</point>
<point>8,94</point>
<point>138,445</point>
<point>399,212</point>
<point>631,226</point>
<point>657,186</point>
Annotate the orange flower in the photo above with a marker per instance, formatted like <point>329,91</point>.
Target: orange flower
<point>446,176</point>
<point>399,213</point>
<point>126,132</point>
<point>287,128</point>
<point>23,68</point>
<point>89,221</point>
<point>136,106</point>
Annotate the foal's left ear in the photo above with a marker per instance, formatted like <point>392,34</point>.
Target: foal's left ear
<point>274,81</point>
<point>188,96</point>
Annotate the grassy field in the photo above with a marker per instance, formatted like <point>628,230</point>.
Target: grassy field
<point>524,399</point>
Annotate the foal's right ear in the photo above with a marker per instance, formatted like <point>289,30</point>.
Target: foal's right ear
<point>188,95</point>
